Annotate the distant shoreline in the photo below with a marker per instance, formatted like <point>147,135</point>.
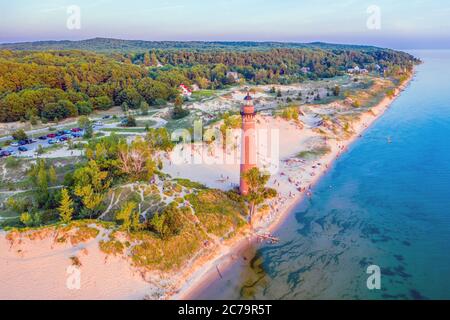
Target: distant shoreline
<point>197,281</point>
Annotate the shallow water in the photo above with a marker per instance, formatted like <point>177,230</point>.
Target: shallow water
<point>382,203</point>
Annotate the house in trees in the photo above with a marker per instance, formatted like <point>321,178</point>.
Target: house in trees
<point>357,70</point>
<point>185,90</point>
<point>305,70</point>
<point>233,75</point>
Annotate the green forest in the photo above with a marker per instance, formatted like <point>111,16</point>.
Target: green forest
<point>56,80</point>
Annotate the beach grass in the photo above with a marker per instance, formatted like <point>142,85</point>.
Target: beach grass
<point>314,153</point>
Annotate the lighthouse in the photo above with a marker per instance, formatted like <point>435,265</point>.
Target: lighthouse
<point>248,147</point>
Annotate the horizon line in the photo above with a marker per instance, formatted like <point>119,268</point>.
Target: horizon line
<point>225,41</point>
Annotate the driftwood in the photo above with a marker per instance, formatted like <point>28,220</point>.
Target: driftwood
<point>218,271</point>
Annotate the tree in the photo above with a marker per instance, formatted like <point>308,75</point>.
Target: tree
<point>33,120</point>
<point>19,135</point>
<point>129,217</point>
<point>178,101</point>
<point>65,207</point>
<point>144,108</point>
<point>159,139</point>
<point>84,108</point>
<point>257,192</point>
<point>131,96</point>
<point>153,59</point>
<point>52,175</point>
<point>124,107</point>
<point>135,160</point>
<point>91,183</point>
<point>40,150</point>
<point>60,110</point>
<point>28,84</point>
<point>85,124</point>
<point>178,111</point>
<point>152,90</point>
<point>147,59</point>
<point>336,91</point>
<point>41,178</point>
<point>131,121</point>
<point>168,222</point>
<point>356,104</point>
<point>102,103</point>
<point>26,219</point>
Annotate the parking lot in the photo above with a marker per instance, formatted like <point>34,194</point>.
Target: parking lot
<point>31,145</point>
<point>45,139</point>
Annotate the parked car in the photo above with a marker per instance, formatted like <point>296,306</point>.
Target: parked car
<point>52,141</point>
<point>98,124</point>
<point>42,138</point>
<point>22,148</point>
<point>106,117</point>
<point>14,144</point>
<point>67,131</point>
<point>75,130</point>
<point>60,133</point>
<point>22,142</point>
<point>5,153</point>
<point>29,141</point>
<point>51,135</point>
<point>63,138</point>
<point>76,135</point>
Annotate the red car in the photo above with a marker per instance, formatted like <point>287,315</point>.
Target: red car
<point>51,135</point>
<point>75,129</point>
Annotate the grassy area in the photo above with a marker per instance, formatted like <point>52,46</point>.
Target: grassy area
<point>190,184</point>
<point>218,214</point>
<point>215,213</point>
<point>154,253</point>
<point>112,247</point>
<point>314,153</point>
<point>202,94</point>
<point>184,123</point>
<point>51,148</point>
<point>144,123</point>
<point>126,130</point>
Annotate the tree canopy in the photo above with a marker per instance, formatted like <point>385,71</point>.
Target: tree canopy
<point>55,84</point>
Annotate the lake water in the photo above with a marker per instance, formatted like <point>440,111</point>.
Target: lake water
<point>381,204</point>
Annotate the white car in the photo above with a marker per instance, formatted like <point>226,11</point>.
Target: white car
<point>14,144</point>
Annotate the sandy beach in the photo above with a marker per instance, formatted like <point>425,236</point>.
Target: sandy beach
<point>287,182</point>
<point>37,268</point>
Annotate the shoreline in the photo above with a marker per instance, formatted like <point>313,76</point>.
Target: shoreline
<point>197,280</point>
<point>295,176</point>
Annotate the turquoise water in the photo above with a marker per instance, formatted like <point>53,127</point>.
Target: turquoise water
<point>383,204</point>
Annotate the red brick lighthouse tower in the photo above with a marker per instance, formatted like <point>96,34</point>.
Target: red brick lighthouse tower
<point>248,145</point>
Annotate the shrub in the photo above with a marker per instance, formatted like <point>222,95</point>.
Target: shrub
<point>12,162</point>
<point>19,135</point>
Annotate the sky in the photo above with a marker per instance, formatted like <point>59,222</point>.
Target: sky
<point>399,24</point>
